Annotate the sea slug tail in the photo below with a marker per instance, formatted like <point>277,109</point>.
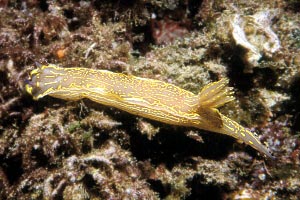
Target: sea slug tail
<point>242,134</point>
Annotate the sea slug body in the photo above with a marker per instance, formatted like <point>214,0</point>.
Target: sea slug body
<point>148,98</point>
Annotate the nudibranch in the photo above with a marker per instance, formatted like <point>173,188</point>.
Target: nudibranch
<point>144,97</point>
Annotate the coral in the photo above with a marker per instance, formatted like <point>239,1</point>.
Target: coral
<point>277,135</point>
<point>178,180</point>
<point>166,31</point>
<point>147,128</point>
<point>48,141</point>
<point>111,171</point>
<point>247,193</point>
<point>177,65</point>
<point>273,99</point>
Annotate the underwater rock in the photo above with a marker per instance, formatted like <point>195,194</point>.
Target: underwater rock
<point>254,34</point>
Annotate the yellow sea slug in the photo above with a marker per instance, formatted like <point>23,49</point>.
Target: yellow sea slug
<point>148,98</point>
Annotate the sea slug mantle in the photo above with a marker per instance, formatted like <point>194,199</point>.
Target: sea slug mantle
<point>148,98</point>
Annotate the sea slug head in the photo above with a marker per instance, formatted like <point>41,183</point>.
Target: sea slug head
<point>31,84</point>
<point>42,81</point>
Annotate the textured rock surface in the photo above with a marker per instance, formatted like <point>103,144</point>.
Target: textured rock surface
<point>54,149</point>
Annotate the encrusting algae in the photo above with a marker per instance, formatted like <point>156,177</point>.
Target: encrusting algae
<point>148,98</point>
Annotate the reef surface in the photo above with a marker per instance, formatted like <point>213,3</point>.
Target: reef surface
<point>54,149</point>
